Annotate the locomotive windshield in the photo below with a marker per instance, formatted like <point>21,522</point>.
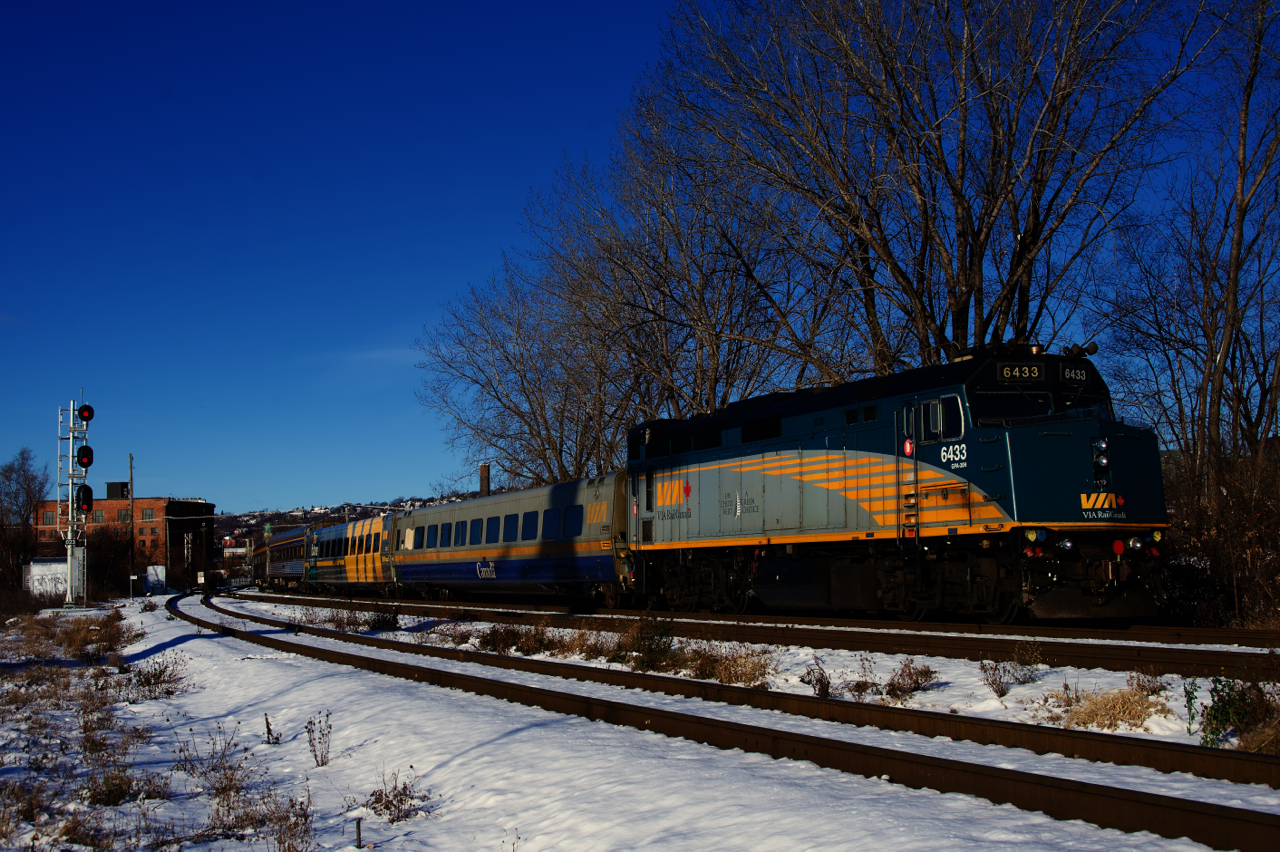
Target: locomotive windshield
<point>1007,392</point>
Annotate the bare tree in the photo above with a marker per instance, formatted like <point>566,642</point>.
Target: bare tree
<point>967,157</point>
<point>1196,331</point>
<point>22,488</point>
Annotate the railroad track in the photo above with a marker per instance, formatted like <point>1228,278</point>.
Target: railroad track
<point>1187,662</point>
<point>1128,810</point>
<point>1151,634</point>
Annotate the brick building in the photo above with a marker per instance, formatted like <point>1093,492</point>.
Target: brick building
<point>169,531</point>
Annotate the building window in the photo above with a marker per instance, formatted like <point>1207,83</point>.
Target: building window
<point>48,519</point>
<point>122,516</point>
<point>148,514</point>
<point>97,516</point>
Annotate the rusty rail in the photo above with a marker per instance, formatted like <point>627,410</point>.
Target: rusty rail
<point>1187,662</point>
<point>1218,826</point>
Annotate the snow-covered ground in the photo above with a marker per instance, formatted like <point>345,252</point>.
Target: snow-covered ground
<point>960,686</point>
<point>506,777</point>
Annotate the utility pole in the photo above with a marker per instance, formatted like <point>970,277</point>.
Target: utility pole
<point>133,532</point>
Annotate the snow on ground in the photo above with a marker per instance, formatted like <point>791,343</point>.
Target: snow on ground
<point>505,777</point>
<point>960,687</point>
<point>1255,797</point>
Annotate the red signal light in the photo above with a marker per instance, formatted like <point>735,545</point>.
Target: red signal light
<point>84,499</point>
<point>84,456</point>
<point>85,412</point>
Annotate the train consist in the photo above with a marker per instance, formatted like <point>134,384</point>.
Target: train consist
<point>996,484</point>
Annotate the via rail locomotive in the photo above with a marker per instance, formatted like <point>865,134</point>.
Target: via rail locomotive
<point>999,483</point>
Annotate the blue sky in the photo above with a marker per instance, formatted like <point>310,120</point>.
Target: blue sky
<point>228,222</point>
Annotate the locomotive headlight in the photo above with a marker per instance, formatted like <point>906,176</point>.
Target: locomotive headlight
<point>1135,543</point>
<point>1101,460</point>
<point>1100,445</point>
<point>1066,544</point>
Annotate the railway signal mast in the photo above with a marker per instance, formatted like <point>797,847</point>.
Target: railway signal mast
<point>73,466</point>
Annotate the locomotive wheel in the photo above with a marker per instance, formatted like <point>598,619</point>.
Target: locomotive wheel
<point>913,612</point>
<point>1006,610</point>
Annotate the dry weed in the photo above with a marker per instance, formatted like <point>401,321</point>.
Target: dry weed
<point>1146,681</point>
<point>1112,710</point>
<point>398,799</point>
<point>908,679</point>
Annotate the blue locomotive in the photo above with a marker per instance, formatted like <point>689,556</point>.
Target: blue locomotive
<point>997,483</point>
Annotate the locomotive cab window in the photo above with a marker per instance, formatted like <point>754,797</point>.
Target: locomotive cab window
<point>930,422</point>
<point>433,533</point>
<point>952,419</point>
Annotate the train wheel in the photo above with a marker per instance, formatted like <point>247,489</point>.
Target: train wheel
<point>1006,610</point>
<point>913,612</point>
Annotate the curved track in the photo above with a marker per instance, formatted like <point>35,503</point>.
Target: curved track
<point>1127,810</point>
<point>1085,652</point>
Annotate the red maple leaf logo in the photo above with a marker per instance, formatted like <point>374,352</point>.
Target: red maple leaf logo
<point>688,489</point>
<point>1119,500</point>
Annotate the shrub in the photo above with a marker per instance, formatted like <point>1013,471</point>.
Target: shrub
<point>158,677</point>
<point>646,645</point>
<point>909,679</point>
<point>1248,710</point>
<point>318,733</point>
<point>224,767</point>
<point>1001,675</point>
<point>286,823</point>
<point>817,679</point>
<point>1146,681</point>
<point>397,800</point>
<point>384,619</point>
<point>149,605</point>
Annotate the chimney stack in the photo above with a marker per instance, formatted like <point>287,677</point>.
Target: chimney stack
<point>484,480</point>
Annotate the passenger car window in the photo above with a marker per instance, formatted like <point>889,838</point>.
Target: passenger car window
<point>445,534</point>
<point>477,530</point>
<point>529,526</point>
<point>432,533</point>
<point>573,521</point>
<point>493,529</point>
<point>550,524</point>
<point>377,542</point>
<point>510,527</point>
<point>417,537</point>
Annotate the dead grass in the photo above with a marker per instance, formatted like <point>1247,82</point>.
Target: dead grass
<point>906,680</point>
<point>644,644</point>
<point>1000,676</point>
<point>1129,708</point>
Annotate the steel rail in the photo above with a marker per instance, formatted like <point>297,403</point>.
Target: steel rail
<point>1153,634</point>
<point>1187,662</point>
<point>1237,767</point>
<point>1218,826</point>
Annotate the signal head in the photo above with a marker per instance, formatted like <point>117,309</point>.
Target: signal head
<point>84,499</point>
<point>84,456</point>
<point>85,413</point>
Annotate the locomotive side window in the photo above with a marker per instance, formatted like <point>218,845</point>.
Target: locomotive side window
<point>359,545</point>
<point>573,521</point>
<point>446,534</point>
<point>550,524</point>
<point>908,421</point>
<point>377,542</point>
<point>930,421</point>
<point>869,414</point>
<point>368,542</point>
<point>529,526</point>
<point>477,530</point>
<point>952,419</point>
<point>433,533</point>
<point>510,526</point>
<point>850,416</point>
